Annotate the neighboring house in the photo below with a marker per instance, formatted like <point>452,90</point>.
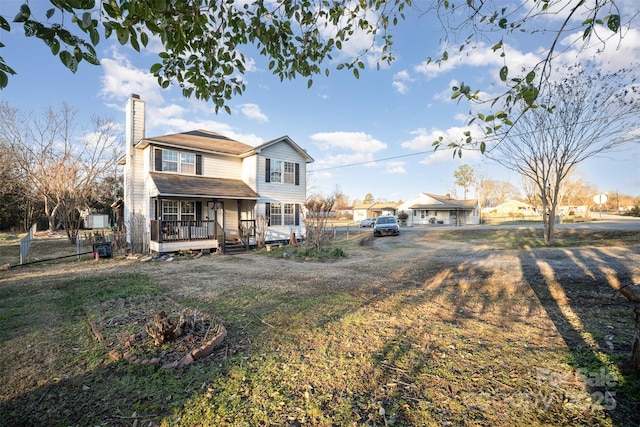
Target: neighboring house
<point>373,210</point>
<point>432,209</point>
<point>361,212</point>
<point>200,190</point>
<point>513,207</point>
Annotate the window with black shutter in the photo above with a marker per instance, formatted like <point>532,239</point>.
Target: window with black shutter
<point>158,160</point>
<point>198,164</point>
<point>297,174</point>
<point>267,212</point>
<point>267,170</point>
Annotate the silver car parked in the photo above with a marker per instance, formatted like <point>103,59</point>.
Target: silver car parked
<point>367,222</point>
<point>386,225</point>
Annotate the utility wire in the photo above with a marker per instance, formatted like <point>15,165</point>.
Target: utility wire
<point>494,137</point>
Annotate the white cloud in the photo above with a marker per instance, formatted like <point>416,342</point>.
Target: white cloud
<point>403,75</point>
<point>423,140</point>
<point>121,79</point>
<point>359,42</point>
<point>358,142</point>
<point>400,87</point>
<point>342,159</point>
<point>613,54</point>
<point>400,80</point>
<point>479,56</point>
<point>346,148</point>
<point>252,111</point>
<point>394,167</point>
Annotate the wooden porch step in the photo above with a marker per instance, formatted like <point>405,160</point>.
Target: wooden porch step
<point>234,246</point>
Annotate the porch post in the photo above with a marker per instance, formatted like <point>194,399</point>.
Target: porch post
<point>215,218</point>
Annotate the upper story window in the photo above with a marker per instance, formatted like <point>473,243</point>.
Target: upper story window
<point>281,171</point>
<point>178,161</point>
<point>289,172</point>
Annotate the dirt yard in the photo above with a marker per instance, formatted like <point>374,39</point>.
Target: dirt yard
<point>473,281</point>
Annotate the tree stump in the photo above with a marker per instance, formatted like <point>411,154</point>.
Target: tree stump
<point>161,329</point>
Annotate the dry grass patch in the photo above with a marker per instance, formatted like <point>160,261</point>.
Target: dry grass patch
<point>415,330</point>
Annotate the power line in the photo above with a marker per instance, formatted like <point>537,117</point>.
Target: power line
<point>494,137</point>
<point>371,161</point>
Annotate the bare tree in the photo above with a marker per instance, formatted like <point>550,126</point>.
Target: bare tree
<point>530,190</point>
<point>576,123</point>
<point>342,201</point>
<point>318,208</point>
<point>61,166</point>
<point>492,192</point>
<point>262,227</point>
<point>11,189</point>
<point>577,192</point>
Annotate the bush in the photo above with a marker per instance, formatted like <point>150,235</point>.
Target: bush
<point>634,211</point>
<point>308,252</point>
<point>338,253</point>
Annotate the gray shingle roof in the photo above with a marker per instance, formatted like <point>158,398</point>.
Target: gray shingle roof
<point>170,184</point>
<point>201,140</point>
<point>446,204</point>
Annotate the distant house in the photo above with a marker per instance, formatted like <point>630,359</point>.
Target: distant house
<point>513,207</point>
<point>373,210</point>
<point>425,209</point>
<point>200,190</point>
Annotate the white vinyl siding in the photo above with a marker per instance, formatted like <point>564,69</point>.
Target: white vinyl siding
<point>221,166</point>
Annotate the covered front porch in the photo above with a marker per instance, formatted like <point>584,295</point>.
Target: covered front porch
<point>168,236</point>
<point>200,214</point>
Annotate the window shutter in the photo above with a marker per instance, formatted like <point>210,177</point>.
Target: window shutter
<point>158,159</point>
<point>267,170</point>
<point>267,212</point>
<point>297,175</point>
<point>198,164</point>
<point>198,211</point>
<point>297,216</point>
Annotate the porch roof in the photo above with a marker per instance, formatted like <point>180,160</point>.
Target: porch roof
<point>169,184</point>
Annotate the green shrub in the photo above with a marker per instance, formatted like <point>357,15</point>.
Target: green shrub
<point>338,253</point>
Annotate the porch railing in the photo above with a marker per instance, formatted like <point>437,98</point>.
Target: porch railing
<point>248,227</point>
<point>182,230</point>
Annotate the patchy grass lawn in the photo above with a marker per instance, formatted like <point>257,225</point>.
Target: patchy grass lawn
<point>441,328</point>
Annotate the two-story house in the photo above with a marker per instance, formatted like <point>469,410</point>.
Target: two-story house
<point>200,190</point>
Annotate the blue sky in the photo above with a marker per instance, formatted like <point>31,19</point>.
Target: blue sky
<point>367,135</point>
